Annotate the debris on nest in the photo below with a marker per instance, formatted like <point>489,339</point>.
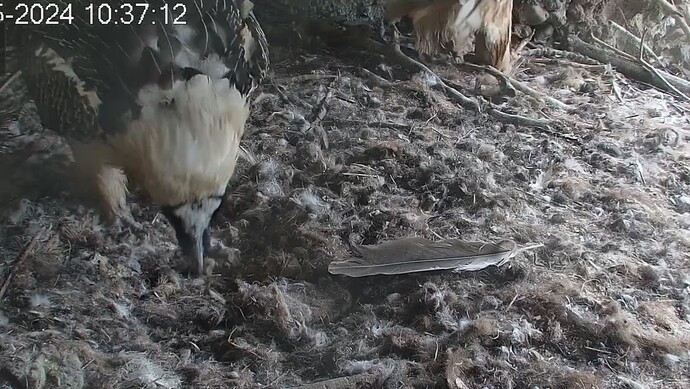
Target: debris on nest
<point>336,158</point>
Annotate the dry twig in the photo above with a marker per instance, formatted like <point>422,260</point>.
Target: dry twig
<point>10,80</point>
<point>459,97</point>
<point>632,68</point>
<point>18,263</point>
<point>548,52</point>
<point>558,61</point>
<point>319,112</point>
<point>612,48</point>
<point>375,78</point>
<point>477,104</point>
<point>680,18</point>
<point>637,41</point>
<point>519,120</point>
<point>391,125</point>
<point>540,124</point>
<point>657,73</point>
<point>524,88</point>
<point>305,77</point>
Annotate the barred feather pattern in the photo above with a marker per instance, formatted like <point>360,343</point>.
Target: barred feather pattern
<point>440,22</point>
<point>85,78</point>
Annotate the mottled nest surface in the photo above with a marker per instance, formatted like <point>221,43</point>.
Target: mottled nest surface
<point>336,158</point>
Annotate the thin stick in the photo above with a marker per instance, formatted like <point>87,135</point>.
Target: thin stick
<point>612,48</point>
<point>539,124</point>
<point>680,18</point>
<point>319,112</point>
<point>636,40</point>
<point>560,54</point>
<point>18,263</point>
<point>466,101</point>
<point>520,120</point>
<point>663,80</point>
<point>475,104</point>
<point>305,77</point>
<point>380,81</point>
<point>462,99</point>
<point>524,88</point>
<point>656,72</point>
<point>632,68</point>
<point>10,80</point>
<point>390,125</point>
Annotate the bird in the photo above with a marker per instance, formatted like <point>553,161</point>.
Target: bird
<point>156,96</point>
<point>452,22</point>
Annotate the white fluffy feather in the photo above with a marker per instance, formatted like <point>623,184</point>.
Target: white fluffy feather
<point>186,138</point>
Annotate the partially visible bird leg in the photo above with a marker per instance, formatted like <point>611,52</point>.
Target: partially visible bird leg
<point>492,51</point>
<point>107,181</point>
<point>112,188</point>
<point>465,101</point>
<point>492,40</point>
<point>386,32</point>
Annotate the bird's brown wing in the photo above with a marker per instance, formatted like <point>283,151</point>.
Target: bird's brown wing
<point>85,77</point>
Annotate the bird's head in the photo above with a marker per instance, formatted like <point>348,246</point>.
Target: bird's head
<point>191,221</point>
<point>183,149</point>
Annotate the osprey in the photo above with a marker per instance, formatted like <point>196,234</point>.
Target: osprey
<point>438,22</point>
<point>159,98</point>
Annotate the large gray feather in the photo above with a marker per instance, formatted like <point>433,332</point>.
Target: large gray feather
<point>411,255</point>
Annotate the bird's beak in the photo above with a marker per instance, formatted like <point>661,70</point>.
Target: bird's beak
<point>191,222</point>
<point>192,240</point>
<point>198,254</point>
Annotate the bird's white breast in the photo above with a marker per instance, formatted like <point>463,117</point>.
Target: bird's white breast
<point>185,143</point>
